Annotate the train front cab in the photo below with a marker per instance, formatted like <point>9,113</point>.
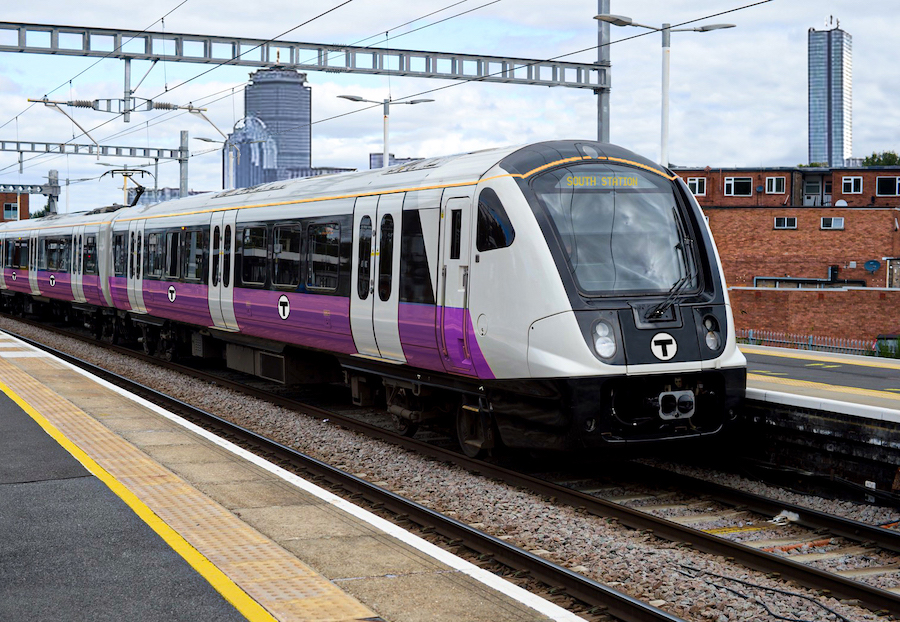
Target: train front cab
<point>645,351</point>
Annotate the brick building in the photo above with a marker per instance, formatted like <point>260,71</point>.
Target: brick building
<point>15,206</point>
<point>803,227</point>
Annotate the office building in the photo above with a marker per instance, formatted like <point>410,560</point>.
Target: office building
<point>830,96</point>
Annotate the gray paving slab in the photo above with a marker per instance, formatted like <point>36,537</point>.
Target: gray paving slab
<point>70,549</point>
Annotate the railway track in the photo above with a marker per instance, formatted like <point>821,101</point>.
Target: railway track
<point>583,495</point>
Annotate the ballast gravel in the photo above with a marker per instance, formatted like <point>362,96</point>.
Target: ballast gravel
<point>684,582</point>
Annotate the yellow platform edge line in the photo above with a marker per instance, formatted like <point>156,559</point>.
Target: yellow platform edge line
<point>808,355</point>
<point>241,601</point>
<point>822,386</point>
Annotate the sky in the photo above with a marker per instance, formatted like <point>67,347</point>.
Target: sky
<point>738,97</point>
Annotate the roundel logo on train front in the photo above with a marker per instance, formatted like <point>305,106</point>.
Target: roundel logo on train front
<point>663,346</point>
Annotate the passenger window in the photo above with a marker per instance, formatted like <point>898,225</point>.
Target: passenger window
<point>253,256</point>
<point>226,262</point>
<point>287,256</point>
<point>120,255</point>
<point>195,259</point>
<point>140,253</point>
<point>455,233</point>
<point>173,254</point>
<point>216,244</point>
<point>386,257</point>
<point>494,229</point>
<point>323,256</point>
<point>133,254</point>
<point>365,257</point>
<point>154,260</point>
<point>90,255</point>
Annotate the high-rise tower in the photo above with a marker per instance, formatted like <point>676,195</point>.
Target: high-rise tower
<point>830,95</point>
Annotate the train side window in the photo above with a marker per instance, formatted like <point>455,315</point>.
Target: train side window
<point>43,254</point>
<point>254,244</point>
<point>494,229</point>
<point>365,257</point>
<point>195,256</point>
<point>2,253</point>
<point>323,256</point>
<point>216,243</point>
<point>226,261</point>
<point>21,259</point>
<point>153,263</point>
<point>455,232</point>
<point>139,251</point>
<point>173,254</point>
<point>386,257</point>
<point>64,250</point>
<point>133,247</point>
<point>120,255</point>
<point>90,255</point>
<point>415,277</point>
<point>287,256</point>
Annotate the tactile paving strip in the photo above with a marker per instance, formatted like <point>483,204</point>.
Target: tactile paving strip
<point>287,588</point>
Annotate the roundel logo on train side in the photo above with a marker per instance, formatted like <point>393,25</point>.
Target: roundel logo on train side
<point>52,280</point>
<point>663,346</point>
<point>171,293</point>
<point>14,276</point>
<point>284,307</point>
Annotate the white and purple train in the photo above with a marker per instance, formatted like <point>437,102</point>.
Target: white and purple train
<point>563,294</point>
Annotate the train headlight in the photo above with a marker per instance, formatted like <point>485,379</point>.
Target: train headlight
<point>713,340</point>
<point>604,340</point>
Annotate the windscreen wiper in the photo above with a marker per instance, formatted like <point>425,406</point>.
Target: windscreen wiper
<point>677,287</point>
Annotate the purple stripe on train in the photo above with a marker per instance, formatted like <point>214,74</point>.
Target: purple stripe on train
<point>17,280</point>
<point>423,346</point>
<point>309,320</point>
<point>118,287</point>
<point>184,302</point>
<point>57,285</point>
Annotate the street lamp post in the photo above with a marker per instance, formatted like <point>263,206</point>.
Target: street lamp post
<point>387,112</point>
<point>665,30</point>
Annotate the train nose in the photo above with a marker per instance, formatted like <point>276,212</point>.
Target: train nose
<point>676,404</point>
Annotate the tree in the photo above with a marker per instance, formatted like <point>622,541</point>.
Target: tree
<point>885,158</point>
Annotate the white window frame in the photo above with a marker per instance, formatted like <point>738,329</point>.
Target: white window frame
<point>694,185</point>
<point>790,222</point>
<point>729,186</point>
<point>896,187</point>
<point>852,181</point>
<point>772,185</point>
<point>13,208</point>
<point>835,223</point>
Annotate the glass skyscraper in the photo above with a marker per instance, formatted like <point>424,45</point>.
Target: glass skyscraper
<point>830,96</point>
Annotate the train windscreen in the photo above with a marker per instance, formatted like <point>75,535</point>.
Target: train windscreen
<point>619,228</point>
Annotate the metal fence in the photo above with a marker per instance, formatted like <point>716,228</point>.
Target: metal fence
<point>864,347</point>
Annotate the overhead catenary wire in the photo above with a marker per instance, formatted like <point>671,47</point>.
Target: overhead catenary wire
<point>464,81</point>
<point>168,114</point>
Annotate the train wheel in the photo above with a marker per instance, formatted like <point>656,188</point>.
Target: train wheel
<point>474,432</point>
<point>405,427</point>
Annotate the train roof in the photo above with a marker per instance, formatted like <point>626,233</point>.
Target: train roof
<point>421,174</point>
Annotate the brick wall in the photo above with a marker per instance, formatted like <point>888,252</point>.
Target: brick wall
<point>750,246</point>
<point>840,313</point>
<point>10,197</point>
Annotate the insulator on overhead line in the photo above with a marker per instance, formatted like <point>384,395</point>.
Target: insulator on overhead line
<point>162,106</point>
<point>81,103</point>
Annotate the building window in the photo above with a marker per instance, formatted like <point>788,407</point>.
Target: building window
<point>887,186</point>
<point>774,185</point>
<point>10,211</point>
<point>852,185</point>
<point>785,222</point>
<point>832,223</point>
<point>738,186</point>
<point>697,186</point>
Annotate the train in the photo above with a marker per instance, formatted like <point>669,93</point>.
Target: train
<point>561,295</point>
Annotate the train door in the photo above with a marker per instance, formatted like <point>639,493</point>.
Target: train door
<point>33,247</point>
<point>77,263</point>
<point>221,273</point>
<point>375,275</point>
<point>135,273</point>
<point>454,282</point>
<point>3,263</point>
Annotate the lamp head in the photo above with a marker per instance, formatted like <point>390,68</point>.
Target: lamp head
<point>615,20</point>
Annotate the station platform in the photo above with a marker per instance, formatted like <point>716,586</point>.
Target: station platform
<point>860,386</point>
<point>113,509</point>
